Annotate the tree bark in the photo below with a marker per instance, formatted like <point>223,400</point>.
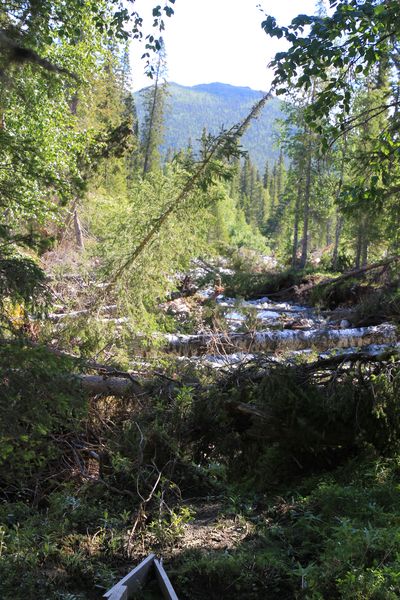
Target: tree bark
<point>359,271</point>
<point>307,192</point>
<point>150,139</point>
<point>338,233</point>
<point>364,252</point>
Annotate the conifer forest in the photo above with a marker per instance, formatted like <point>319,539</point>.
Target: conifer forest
<point>199,308</point>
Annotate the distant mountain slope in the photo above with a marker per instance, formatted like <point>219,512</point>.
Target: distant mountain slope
<point>213,105</point>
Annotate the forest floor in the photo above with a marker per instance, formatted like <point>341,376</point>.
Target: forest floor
<point>222,546</point>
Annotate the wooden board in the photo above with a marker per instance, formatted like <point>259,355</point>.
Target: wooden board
<point>134,581</point>
<point>164,582</point>
<point>120,593</point>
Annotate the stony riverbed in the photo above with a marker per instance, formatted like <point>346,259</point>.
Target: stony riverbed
<point>283,330</point>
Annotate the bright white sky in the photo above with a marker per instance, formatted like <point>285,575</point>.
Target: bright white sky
<point>218,40</point>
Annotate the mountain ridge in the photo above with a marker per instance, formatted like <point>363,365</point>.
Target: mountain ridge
<point>214,106</point>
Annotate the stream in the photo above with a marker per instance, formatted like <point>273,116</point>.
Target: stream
<point>283,331</point>
<point>218,331</point>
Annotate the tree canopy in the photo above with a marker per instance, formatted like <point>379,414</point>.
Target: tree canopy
<point>352,40</point>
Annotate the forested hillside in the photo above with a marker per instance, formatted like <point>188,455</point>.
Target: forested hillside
<point>199,350</point>
<point>190,110</point>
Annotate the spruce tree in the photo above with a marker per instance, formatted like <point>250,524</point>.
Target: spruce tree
<point>154,105</point>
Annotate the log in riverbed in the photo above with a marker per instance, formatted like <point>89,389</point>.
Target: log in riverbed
<point>274,340</point>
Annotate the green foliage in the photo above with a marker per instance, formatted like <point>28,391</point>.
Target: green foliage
<point>52,58</point>
<point>340,537</point>
<point>34,34</point>
<point>332,534</point>
<point>248,281</point>
<point>229,229</point>
<point>379,306</point>
<point>314,426</point>
<point>88,485</point>
<point>128,221</point>
<point>249,572</point>
<point>343,67</point>
<point>38,399</point>
<point>169,529</point>
<point>153,99</point>
<point>22,281</point>
<point>365,26</point>
<point>62,552</point>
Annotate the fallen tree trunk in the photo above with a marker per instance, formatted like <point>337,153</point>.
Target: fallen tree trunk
<point>357,272</point>
<point>273,340</point>
<point>375,354</point>
<point>306,287</point>
<point>121,384</point>
<point>112,308</point>
<point>111,386</point>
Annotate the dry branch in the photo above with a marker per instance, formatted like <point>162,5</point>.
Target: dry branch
<point>385,353</point>
<point>17,52</point>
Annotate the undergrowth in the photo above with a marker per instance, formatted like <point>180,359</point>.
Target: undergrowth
<point>334,536</point>
<point>248,283</point>
<point>92,485</point>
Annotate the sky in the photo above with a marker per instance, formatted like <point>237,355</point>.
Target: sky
<point>218,40</point>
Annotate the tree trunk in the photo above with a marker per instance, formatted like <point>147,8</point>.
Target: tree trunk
<point>306,211</point>
<point>357,264</point>
<point>338,233</point>
<point>273,340</point>
<point>339,218</point>
<point>357,272</point>
<point>328,238</point>
<point>364,252</point>
<point>150,133</point>
<point>111,386</point>
<point>73,105</point>
<point>147,151</point>
<point>296,224</point>
<point>78,231</point>
<point>307,191</point>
